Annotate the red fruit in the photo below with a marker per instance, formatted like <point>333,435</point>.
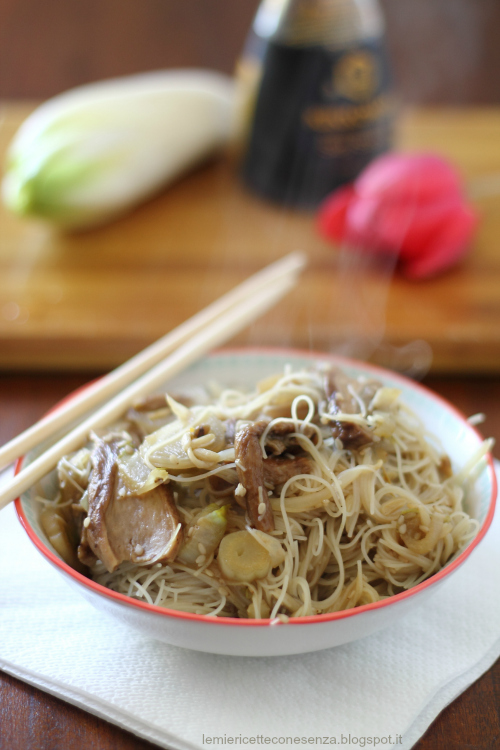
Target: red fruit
<point>412,176</point>
<point>410,206</point>
<point>446,247</point>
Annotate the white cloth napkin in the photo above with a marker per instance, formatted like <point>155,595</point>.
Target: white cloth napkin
<point>388,687</point>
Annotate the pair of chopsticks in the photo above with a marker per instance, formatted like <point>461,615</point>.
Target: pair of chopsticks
<point>147,371</point>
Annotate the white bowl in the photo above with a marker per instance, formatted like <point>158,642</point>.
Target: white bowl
<point>237,637</point>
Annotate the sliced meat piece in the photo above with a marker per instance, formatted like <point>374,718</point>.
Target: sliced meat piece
<point>280,470</point>
<point>219,486</point>
<point>353,436</point>
<point>78,515</point>
<point>339,387</point>
<point>278,440</point>
<point>250,468</point>
<point>151,403</point>
<point>138,426</point>
<point>141,529</point>
<point>101,491</point>
<point>85,554</point>
<point>147,415</point>
<point>144,529</point>
<point>275,441</point>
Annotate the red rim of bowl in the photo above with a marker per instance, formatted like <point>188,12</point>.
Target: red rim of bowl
<point>308,619</point>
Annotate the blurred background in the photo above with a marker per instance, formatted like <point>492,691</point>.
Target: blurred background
<point>445,58</point>
<point>443,51</point>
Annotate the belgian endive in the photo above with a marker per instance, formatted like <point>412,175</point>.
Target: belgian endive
<point>89,154</point>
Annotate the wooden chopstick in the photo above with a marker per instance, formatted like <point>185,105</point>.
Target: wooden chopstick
<point>119,378</point>
<point>215,333</point>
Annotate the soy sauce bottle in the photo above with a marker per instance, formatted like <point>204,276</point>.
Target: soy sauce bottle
<point>324,108</point>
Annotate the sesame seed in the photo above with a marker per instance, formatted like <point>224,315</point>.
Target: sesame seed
<point>200,560</point>
<point>122,492</point>
<point>402,528</point>
<point>191,531</point>
<point>240,491</point>
<point>86,522</point>
<point>424,528</point>
<point>139,549</point>
<point>209,573</point>
<point>202,549</point>
<point>261,509</point>
<point>401,519</point>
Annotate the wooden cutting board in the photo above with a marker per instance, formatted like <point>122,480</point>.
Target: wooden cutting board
<point>91,300</point>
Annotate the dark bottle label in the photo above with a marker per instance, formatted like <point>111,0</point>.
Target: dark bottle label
<point>321,116</point>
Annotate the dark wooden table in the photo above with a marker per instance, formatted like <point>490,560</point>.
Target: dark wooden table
<point>33,720</point>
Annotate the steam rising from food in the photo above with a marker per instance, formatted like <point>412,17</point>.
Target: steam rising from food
<point>314,493</point>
